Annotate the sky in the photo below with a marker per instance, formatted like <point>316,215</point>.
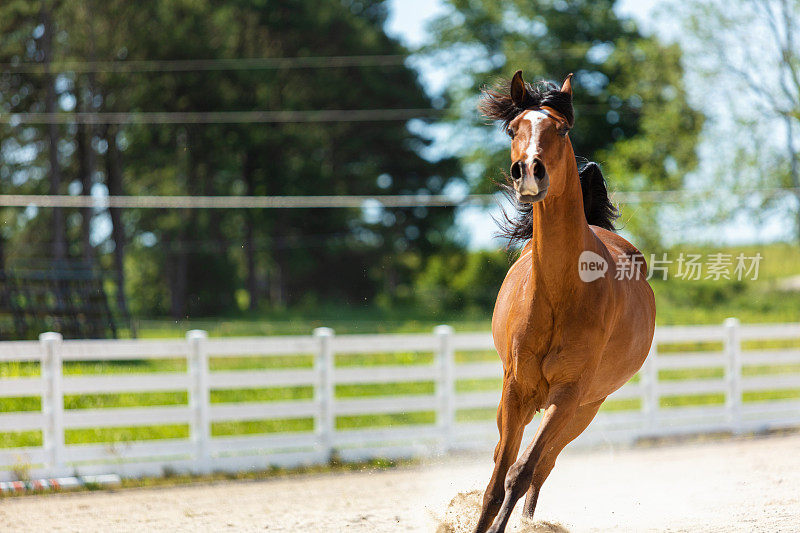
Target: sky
<point>407,22</point>
<point>408,17</point>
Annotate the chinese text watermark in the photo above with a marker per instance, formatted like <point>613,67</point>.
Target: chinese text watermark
<point>684,266</point>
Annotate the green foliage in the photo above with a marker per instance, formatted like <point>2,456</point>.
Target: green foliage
<point>150,290</point>
<point>462,281</point>
<point>467,306</point>
<point>630,103</point>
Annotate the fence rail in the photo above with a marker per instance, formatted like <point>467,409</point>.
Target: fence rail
<point>752,373</point>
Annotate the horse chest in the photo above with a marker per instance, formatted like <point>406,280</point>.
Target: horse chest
<point>523,333</point>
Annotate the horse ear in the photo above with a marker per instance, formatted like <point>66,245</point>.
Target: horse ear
<point>518,90</point>
<point>566,87</point>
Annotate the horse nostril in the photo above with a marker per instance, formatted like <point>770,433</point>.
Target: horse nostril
<point>516,171</point>
<point>538,169</point>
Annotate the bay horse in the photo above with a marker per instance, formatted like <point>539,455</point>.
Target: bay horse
<point>568,336</point>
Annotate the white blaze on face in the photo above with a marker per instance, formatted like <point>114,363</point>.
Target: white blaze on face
<point>529,185</point>
<point>530,151</point>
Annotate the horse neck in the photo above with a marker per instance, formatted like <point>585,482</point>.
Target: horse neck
<point>560,235</point>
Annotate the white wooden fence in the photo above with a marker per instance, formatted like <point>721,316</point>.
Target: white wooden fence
<point>648,415</point>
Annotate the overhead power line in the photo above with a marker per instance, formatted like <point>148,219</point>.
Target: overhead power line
<point>237,63</point>
<point>191,65</point>
<point>244,117</point>
<point>236,202</point>
<point>221,117</point>
<point>353,201</point>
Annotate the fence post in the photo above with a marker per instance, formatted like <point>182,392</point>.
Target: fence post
<point>52,401</point>
<point>199,398</point>
<point>324,392</point>
<point>650,387</point>
<point>733,374</point>
<point>445,385</point>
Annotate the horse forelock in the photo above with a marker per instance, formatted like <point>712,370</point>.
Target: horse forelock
<point>496,102</point>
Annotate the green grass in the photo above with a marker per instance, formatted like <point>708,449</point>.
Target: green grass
<point>218,364</point>
<point>19,370</point>
<point>688,400</point>
<point>666,348</point>
<point>20,403</point>
<point>478,356</point>
<point>682,374</point>
<point>478,385</point>
<point>302,321</point>
<point>250,427</point>
<point>16,439</point>
<point>764,370</point>
<point>484,414</point>
<point>131,399</point>
<point>766,396</point>
<point>389,358</point>
<point>626,404</point>
<point>479,414</point>
<point>392,419</point>
<point>271,394</point>
<point>125,434</point>
<point>142,366</point>
<point>406,388</point>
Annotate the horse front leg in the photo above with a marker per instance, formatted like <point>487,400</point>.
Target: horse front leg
<point>561,406</point>
<point>511,423</point>
<point>583,417</point>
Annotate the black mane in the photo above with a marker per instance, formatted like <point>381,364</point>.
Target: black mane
<point>496,104</point>
<point>597,205</point>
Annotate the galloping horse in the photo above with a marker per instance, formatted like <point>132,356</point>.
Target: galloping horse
<point>568,336</point>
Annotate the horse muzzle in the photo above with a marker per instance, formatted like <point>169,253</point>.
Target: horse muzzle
<point>530,181</point>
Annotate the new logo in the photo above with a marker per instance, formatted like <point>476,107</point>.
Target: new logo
<point>591,266</point>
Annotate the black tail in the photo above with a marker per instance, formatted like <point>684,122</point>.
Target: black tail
<point>597,206</point>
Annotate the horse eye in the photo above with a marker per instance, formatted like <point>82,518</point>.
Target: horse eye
<point>510,132</point>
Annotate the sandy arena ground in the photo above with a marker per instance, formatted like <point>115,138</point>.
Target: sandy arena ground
<point>734,485</point>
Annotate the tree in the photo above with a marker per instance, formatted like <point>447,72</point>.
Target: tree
<point>30,160</point>
<point>631,110</point>
<point>190,262</point>
<point>749,51</point>
<point>46,42</point>
<point>347,158</point>
<point>89,30</point>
